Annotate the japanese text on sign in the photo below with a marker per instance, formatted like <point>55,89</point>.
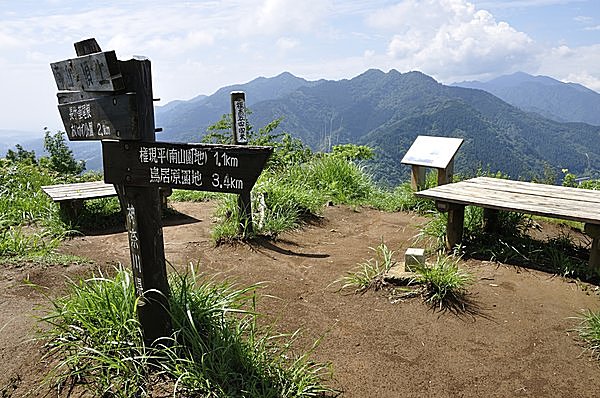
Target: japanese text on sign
<point>81,123</point>
<point>202,167</point>
<point>173,156</point>
<point>170,157</point>
<point>134,248</point>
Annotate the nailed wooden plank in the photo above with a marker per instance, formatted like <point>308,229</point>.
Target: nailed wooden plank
<point>204,167</point>
<point>535,189</point>
<point>102,117</point>
<point>94,72</point>
<point>512,196</point>
<point>546,193</point>
<point>513,199</point>
<point>84,190</point>
<point>523,205</point>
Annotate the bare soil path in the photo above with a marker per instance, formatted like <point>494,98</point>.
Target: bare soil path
<point>518,342</point>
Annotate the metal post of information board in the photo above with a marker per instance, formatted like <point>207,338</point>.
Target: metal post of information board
<point>239,127</point>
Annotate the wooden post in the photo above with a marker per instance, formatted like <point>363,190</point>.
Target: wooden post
<point>417,177</point>
<point>86,47</point>
<point>144,222</point>
<point>490,220</point>
<point>593,230</point>
<point>445,175</point>
<point>141,205</point>
<point>240,137</point>
<point>70,209</point>
<point>454,229</point>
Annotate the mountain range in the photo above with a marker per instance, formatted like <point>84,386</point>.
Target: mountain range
<point>563,102</point>
<point>388,110</point>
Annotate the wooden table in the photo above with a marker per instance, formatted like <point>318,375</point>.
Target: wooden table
<point>495,194</point>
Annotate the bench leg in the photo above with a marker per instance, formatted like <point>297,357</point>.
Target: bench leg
<point>490,220</point>
<point>593,230</point>
<point>454,229</point>
<point>69,209</point>
<point>164,194</point>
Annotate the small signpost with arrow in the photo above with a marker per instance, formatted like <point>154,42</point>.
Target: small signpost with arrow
<point>103,98</point>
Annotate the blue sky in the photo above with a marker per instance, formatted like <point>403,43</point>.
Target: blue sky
<point>197,47</point>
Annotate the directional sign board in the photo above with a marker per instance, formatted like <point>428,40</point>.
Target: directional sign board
<point>201,167</point>
<point>94,72</point>
<point>101,117</point>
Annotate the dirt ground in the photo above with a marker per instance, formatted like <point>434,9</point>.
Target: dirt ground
<point>519,340</point>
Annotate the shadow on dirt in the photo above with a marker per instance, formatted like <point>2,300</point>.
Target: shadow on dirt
<point>265,243</point>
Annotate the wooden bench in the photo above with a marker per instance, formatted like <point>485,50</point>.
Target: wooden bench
<point>70,197</point>
<point>523,197</point>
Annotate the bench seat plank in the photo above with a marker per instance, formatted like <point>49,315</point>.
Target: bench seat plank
<point>544,200</point>
<point>581,195</point>
<point>77,191</point>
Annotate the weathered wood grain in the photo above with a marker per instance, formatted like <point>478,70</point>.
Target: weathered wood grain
<point>538,199</point>
<point>82,190</point>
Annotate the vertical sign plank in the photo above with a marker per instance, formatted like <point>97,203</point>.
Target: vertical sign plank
<point>239,121</point>
<point>240,136</point>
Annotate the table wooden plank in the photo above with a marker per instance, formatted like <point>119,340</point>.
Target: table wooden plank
<point>544,200</point>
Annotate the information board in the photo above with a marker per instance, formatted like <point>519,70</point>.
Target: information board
<point>435,152</point>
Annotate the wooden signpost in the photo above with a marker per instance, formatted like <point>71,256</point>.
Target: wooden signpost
<point>103,98</point>
<point>239,126</point>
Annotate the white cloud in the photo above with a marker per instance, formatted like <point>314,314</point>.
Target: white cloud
<point>277,16</point>
<point>287,43</point>
<point>8,41</point>
<point>578,64</point>
<point>526,3</point>
<point>585,79</point>
<point>451,38</point>
<point>583,19</point>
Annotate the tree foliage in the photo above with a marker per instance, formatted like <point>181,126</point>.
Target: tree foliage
<point>21,155</point>
<point>287,150</point>
<point>61,157</point>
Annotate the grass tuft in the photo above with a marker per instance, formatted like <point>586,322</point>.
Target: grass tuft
<point>445,285</point>
<point>370,272</point>
<point>589,332</point>
<point>216,349</point>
